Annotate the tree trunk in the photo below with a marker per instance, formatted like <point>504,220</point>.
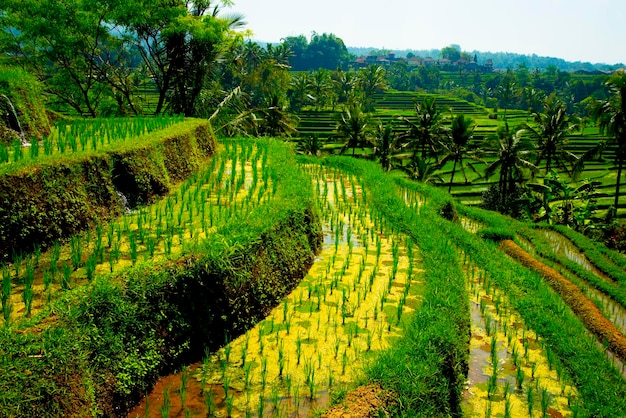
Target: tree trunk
<point>452,178</point>
<point>502,186</point>
<point>620,163</point>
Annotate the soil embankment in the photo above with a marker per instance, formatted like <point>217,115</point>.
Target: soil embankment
<point>584,308</point>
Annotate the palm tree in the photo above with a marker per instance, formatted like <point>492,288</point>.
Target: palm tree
<point>424,133</point>
<point>371,81</point>
<point>610,116</point>
<point>385,144</point>
<point>512,151</point>
<point>354,127</point>
<point>276,121</point>
<point>422,170</point>
<point>298,91</point>
<point>252,56</point>
<point>310,145</point>
<point>553,126</point>
<point>279,54</point>
<point>320,84</point>
<point>344,86</point>
<point>507,90</point>
<point>461,132</point>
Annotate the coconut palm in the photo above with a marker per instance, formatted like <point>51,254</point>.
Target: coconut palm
<point>424,132</point>
<point>310,145</point>
<point>512,151</point>
<point>275,121</point>
<point>298,91</point>
<point>354,127</point>
<point>552,127</point>
<point>385,144</point>
<point>610,116</point>
<point>321,86</point>
<point>457,146</point>
<point>344,86</point>
<point>422,170</point>
<point>252,55</point>
<point>371,81</point>
<point>507,90</point>
<point>279,54</point>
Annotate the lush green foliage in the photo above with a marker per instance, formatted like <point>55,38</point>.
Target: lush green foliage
<point>61,194</point>
<point>94,57</point>
<point>21,96</point>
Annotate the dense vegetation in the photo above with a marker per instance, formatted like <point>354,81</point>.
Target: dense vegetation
<point>113,333</point>
<point>175,230</point>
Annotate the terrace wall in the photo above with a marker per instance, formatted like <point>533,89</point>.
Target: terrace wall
<point>52,200</point>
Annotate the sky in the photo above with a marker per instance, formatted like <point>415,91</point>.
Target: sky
<point>575,30</point>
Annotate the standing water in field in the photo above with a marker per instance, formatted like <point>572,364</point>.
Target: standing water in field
<point>353,301</point>
<point>562,245</point>
<point>511,373</point>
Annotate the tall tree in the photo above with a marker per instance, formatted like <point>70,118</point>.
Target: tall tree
<point>551,129</point>
<point>612,120</point>
<point>457,146</point>
<point>61,42</point>
<point>321,87</point>
<point>385,144</point>
<point>512,151</point>
<point>354,127</point>
<point>345,83</point>
<point>371,81</point>
<point>507,90</point>
<point>423,132</point>
<point>298,91</point>
<point>179,41</point>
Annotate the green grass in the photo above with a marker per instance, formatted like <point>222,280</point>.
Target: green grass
<point>83,137</point>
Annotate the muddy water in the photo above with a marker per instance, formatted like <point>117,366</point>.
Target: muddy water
<point>353,302</point>
<point>507,360</point>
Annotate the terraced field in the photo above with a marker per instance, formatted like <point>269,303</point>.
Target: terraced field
<point>266,286</point>
<point>390,106</point>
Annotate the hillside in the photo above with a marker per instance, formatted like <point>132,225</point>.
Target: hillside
<point>504,60</point>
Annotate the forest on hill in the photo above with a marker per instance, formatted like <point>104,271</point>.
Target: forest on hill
<point>501,60</point>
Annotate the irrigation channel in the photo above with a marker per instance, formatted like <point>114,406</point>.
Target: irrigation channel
<point>353,302</point>
<point>234,181</point>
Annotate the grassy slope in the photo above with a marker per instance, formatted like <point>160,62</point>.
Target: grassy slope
<point>60,195</point>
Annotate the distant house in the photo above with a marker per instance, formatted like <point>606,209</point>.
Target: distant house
<point>415,61</point>
<point>444,63</point>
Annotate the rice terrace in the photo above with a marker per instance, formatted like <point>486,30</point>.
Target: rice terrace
<point>194,224</point>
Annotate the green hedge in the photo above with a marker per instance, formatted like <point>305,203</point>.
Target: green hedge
<point>62,195</point>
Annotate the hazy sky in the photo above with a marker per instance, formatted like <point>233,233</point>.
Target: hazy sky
<point>576,30</point>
